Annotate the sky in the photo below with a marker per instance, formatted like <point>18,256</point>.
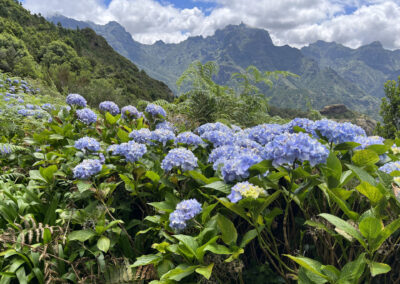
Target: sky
<point>293,22</point>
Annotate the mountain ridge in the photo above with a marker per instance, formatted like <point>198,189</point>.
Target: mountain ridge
<point>324,78</point>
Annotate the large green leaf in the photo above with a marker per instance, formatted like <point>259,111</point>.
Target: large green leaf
<point>81,235</point>
<point>179,272</point>
<point>189,243</point>
<point>365,157</point>
<point>345,226</point>
<point>386,233</point>
<point>353,270</point>
<point>378,268</point>
<point>103,243</point>
<point>370,227</point>
<point>248,237</point>
<point>147,259</point>
<point>205,270</point>
<point>334,165</point>
<point>309,264</point>
<point>362,174</point>
<point>228,230</point>
<point>371,192</point>
<point>219,186</point>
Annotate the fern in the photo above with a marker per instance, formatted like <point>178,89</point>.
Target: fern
<point>11,176</point>
<point>7,148</point>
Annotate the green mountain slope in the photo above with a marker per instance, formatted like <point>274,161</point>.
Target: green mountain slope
<point>234,48</point>
<point>73,61</point>
<point>368,66</point>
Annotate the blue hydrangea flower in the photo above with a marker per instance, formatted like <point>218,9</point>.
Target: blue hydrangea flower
<point>217,126</point>
<point>130,112</point>
<point>237,168</point>
<point>87,143</point>
<point>87,168</point>
<point>132,151</point>
<point>390,167</point>
<point>142,135</point>
<point>155,110</point>
<point>368,141</point>
<point>264,133</point>
<point>76,99</point>
<point>189,138</point>
<point>250,145</point>
<point>112,148</point>
<point>109,106</point>
<point>244,189</point>
<point>223,152</point>
<point>287,147</point>
<point>162,135</point>
<point>48,106</point>
<point>102,158</point>
<point>338,132</point>
<point>184,211</point>
<point>86,116</point>
<point>5,149</point>
<point>306,124</point>
<point>166,125</point>
<point>218,138</point>
<point>30,106</point>
<point>20,100</point>
<point>179,157</point>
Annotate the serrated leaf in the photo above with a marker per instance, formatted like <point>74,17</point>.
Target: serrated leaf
<point>146,260</point>
<point>378,268</point>
<point>365,157</point>
<point>81,235</point>
<point>103,244</point>
<point>370,228</point>
<point>228,230</point>
<point>370,191</point>
<point>205,270</point>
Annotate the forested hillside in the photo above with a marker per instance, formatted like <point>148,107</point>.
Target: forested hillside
<point>73,61</point>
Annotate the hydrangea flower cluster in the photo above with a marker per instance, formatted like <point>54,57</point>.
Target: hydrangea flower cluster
<point>166,125</point>
<point>264,133</point>
<point>109,106</point>
<point>48,106</point>
<point>5,149</point>
<point>368,141</point>
<point>76,99</point>
<point>179,157</point>
<point>189,138</point>
<point>87,168</point>
<point>155,110</point>
<point>237,168</point>
<point>305,123</point>
<point>132,151</point>
<point>86,116</point>
<point>244,189</point>
<point>87,143</point>
<point>129,112</point>
<point>184,211</point>
<point>162,135</point>
<point>142,135</point>
<point>390,167</point>
<point>286,148</point>
<point>217,126</point>
<point>338,132</point>
<point>218,138</point>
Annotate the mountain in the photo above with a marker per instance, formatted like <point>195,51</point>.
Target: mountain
<point>236,47</point>
<point>368,66</point>
<point>70,60</point>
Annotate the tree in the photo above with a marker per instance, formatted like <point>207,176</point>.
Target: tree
<point>390,111</point>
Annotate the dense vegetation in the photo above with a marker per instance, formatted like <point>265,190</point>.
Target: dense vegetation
<point>71,60</point>
<point>119,195</point>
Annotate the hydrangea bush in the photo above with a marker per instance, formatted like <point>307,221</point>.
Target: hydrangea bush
<point>119,193</point>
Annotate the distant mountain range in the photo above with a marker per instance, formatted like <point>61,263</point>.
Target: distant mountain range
<point>330,72</point>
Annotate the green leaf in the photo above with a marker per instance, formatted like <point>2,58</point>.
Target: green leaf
<point>309,264</point>
<point>82,235</point>
<point>352,271</point>
<point>333,163</point>
<point>228,230</point>
<point>365,157</point>
<point>217,249</point>
<point>346,146</point>
<point>153,176</point>
<point>110,118</point>
<point>261,167</point>
<point>205,270</point>
<point>48,173</point>
<point>123,135</point>
<point>344,226</point>
<point>189,242</point>
<point>103,243</point>
<point>146,260</point>
<point>219,186</point>
<point>179,272</point>
<point>206,212</point>
<point>370,228</point>
<point>371,192</point>
<point>386,233</point>
<point>248,237</point>
<point>361,174</point>
<point>233,207</point>
<point>83,185</point>
<point>197,176</point>
<point>378,268</point>
<point>46,236</point>
<point>342,204</point>
<point>163,206</point>
<point>35,175</point>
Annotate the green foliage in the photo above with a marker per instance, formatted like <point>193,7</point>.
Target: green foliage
<point>74,61</point>
<point>390,111</point>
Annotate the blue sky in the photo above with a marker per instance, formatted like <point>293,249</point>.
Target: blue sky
<point>294,22</point>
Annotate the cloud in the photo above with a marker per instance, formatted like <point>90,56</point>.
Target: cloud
<point>293,22</point>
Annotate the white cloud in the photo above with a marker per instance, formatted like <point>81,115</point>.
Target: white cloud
<point>293,22</point>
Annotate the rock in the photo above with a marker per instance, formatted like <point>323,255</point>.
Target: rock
<point>334,110</point>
